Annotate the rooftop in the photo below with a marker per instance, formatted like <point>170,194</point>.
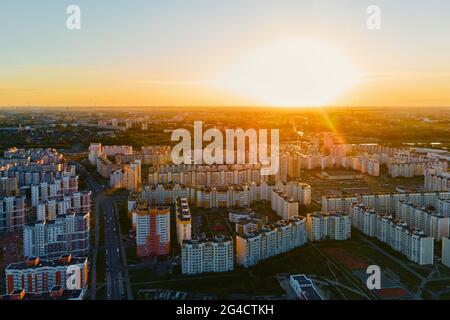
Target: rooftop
<point>36,262</point>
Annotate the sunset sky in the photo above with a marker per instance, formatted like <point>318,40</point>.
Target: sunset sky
<point>178,52</point>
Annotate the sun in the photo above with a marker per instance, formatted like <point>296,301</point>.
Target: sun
<point>294,72</point>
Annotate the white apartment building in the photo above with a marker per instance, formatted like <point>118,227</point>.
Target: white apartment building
<point>300,192</point>
<point>209,197</point>
<point>362,163</point>
<point>127,177</point>
<point>328,226</point>
<point>165,194</point>
<point>54,190</point>
<point>430,222</point>
<point>46,210</point>
<point>383,202</point>
<point>67,234</point>
<point>207,255</point>
<point>39,276</point>
<point>270,241</point>
<point>152,230</point>
<point>413,243</point>
<point>115,150</point>
<point>207,176</point>
<point>337,204</point>
<point>364,219</point>
<point>95,150</point>
<point>437,181</point>
<point>222,197</point>
<point>285,206</point>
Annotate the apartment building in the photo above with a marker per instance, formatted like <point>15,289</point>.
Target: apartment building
<point>9,186</point>
<point>38,276</point>
<point>300,192</point>
<point>207,255</point>
<point>337,204</point>
<point>67,234</point>
<point>12,214</point>
<point>128,177</point>
<point>383,202</point>
<point>328,226</point>
<point>271,240</point>
<point>207,176</point>
<point>436,180</point>
<point>443,207</point>
<point>152,230</point>
<point>413,243</point>
<point>54,190</point>
<point>222,197</point>
<point>285,206</point>
<point>434,224</point>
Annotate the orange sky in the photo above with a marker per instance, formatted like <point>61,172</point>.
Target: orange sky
<point>170,54</point>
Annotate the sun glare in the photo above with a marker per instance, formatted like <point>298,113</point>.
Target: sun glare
<point>295,72</point>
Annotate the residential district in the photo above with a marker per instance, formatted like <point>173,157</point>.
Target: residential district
<point>128,223</point>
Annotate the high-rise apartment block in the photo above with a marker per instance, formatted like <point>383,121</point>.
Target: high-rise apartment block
<point>283,205</point>
<point>67,234</point>
<point>271,240</point>
<point>40,276</point>
<point>152,230</point>
<point>328,226</point>
<point>413,243</point>
<point>184,220</point>
<point>12,214</point>
<point>207,255</point>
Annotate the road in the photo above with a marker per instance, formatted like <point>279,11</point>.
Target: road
<point>113,247</point>
<point>114,269</point>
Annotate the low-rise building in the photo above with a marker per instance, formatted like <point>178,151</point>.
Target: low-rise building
<point>67,234</point>
<point>304,288</point>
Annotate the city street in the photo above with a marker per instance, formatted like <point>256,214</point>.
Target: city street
<point>114,270</point>
<point>113,255</point>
